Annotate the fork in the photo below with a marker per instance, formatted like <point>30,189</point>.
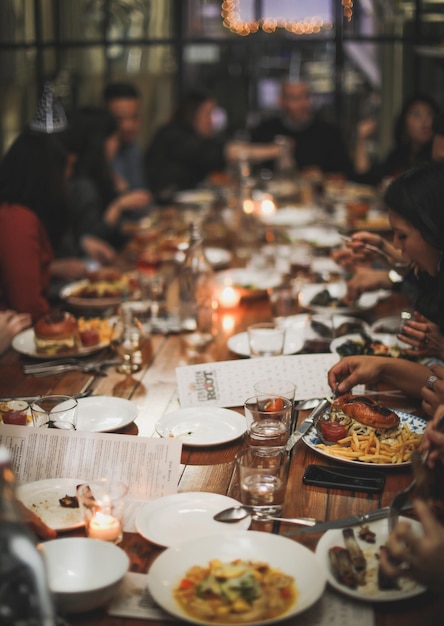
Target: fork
<point>401,498</point>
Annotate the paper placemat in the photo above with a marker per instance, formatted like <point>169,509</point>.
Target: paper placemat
<point>230,383</point>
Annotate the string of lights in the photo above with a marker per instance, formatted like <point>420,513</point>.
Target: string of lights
<point>307,26</point>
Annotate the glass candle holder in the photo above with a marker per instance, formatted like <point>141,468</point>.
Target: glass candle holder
<point>102,503</point>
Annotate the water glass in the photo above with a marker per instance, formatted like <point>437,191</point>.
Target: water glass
<point>102,502</point>
<point>55,412</point>
<point>266,339</point>
<point>276,387</point>
<point>268,420</point>
<point>262,480</point>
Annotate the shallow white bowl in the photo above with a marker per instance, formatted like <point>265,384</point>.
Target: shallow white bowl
<point>83,573</point>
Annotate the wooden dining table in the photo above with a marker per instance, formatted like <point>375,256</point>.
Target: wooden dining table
<point>211,469</point>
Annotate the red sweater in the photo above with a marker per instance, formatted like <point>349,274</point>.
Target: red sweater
<point>25,256</point>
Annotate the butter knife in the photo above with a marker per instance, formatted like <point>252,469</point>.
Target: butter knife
<point>353,520</point>
<point>307,423</point>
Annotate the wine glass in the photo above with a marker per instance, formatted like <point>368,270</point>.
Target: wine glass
<point>128,341</point>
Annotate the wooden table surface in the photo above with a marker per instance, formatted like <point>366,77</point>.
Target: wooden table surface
<point>211,469</point>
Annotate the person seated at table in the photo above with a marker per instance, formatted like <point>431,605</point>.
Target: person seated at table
<point>33,218</point>
<point>413,136</point>
<point>184,151</point>
<point>414,379</point>
<point>11,323</point>
<point>122,101</point>
<point>414,202</point>
<point>97,209</point>
<point>316,142</point>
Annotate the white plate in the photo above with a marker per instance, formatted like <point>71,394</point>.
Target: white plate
<point>25,344</point>
<point>292,216</point>
<point>103,414</point>
<point>218,257</point>
<point>294,341</point>
<point>180,517</point>
<point>416,425</point>
<point>202,426</point>
<point>369,591</point>
<point>288,556</point>
<point>43,496</point>
<point>339,290</point>
<point>392,343</point>
<point>194,196</point>
<point>391,324</point>
<point>317,236</point>
<point>67,293</point>
<point>249,279</point>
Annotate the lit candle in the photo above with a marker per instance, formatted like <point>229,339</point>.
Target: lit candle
<point>229,296</point>
<point>105,527</point>
<point>267,207</point>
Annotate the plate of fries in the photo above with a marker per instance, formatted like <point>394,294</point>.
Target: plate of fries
<point>389,449</point>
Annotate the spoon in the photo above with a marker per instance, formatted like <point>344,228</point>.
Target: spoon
<point>237,513</point>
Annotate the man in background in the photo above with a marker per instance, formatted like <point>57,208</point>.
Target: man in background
<point>123,102</point>
<point>317,144</point>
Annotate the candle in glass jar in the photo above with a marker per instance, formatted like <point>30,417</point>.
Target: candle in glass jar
<point>229,297</point>
<point>105,527</point>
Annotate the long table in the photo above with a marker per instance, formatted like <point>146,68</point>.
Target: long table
<point>212,469</point>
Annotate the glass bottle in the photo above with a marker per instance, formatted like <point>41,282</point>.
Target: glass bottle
<point>25,599</point>
<point>196,291</point>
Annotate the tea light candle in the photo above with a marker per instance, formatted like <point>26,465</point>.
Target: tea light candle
<point>105,527</point>
<point>267,207</point>
<point>229,297</point>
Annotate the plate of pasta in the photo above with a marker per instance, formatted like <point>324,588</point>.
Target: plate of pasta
<point>236,577</point>
<point>363,444</point>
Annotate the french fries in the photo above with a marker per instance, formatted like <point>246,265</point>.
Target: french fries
<point>103,327</point>
<point>373,447</point>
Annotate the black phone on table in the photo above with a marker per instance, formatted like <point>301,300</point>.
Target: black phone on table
<point>351,478</point>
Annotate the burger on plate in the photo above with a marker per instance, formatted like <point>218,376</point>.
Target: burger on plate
<point>56,332</point>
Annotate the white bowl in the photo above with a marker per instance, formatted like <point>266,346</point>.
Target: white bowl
<point>83,573</point>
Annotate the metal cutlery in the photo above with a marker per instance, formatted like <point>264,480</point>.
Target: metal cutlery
<point>401,498</point>
<point>57,367</point>
<point>307,423</point>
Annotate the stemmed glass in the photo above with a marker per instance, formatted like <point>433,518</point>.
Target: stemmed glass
<point>128,341</point>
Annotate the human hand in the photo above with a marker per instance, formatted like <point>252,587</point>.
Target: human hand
<point>69,268</point>
<point>366,128</point>
<point>98,250</point>
<point>433,440</point>
<point>352,370</point>
<point>135,200</point>
<point>423,335</point>
<point>419,556</point>
<point>12,323</point>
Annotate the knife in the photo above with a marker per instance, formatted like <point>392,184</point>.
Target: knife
<point>307,423</point>
<point>353,520</point>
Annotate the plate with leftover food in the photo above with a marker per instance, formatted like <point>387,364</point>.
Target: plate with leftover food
<point>373,344</point>
<point>249,280</point>
<point>392,448</point>
<point>54,500</point>
<point>180,517</point>
<point>104,414</point>
<point>323,297</point>
<point>317,236</point>
<point>100,289</point>
<point>223,570</point>
<point>355,572</point>
<point>294,341</point>
<point>202,426</point>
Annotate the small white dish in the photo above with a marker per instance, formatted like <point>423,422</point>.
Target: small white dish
<point>370,591</point>
<point>292,216</point>
<point>180,517</point>
<point>338,290</point>
<point>249,279</point>
<point>202,426</point>
<point>392,345</point>
<point>294,341</point>
<point>218,257</point>
<point>103,414</point>
<point>24,343</point>
<point>83,573</point>
<point>279,552</point>
<point>42,497</point>
<point>391,324</point>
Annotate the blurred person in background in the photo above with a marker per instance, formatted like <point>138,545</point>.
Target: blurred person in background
<point>97,208</point>
<point>413,140</point>
<point>318,145</point>
<point>122,101</point>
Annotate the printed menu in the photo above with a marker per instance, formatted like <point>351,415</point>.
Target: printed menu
<point>230,383</point>
<point>150,467</point>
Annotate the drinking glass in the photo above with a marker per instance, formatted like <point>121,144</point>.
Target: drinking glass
<point>14,412</point>
<point>268,420</point>
<point>262,480</point>
<point>276,387</point>
<point>55,412</point>
<point>266,339</point>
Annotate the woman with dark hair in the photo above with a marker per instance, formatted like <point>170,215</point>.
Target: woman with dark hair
<point>96,207</point>
<point>33,218</point>
<point>413,137</point>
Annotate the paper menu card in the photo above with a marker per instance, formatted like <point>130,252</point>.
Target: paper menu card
<point>150,467</point>
<point>230,383</point>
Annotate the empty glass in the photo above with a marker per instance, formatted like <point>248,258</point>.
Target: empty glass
<point>266,339</point>
<point>55,412</point>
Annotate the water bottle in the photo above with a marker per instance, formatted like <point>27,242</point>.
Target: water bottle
<point>196,291</point>
<point>25,599</point>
